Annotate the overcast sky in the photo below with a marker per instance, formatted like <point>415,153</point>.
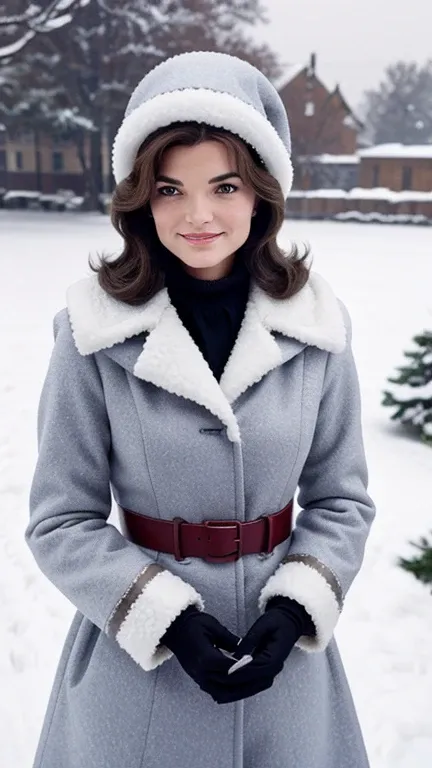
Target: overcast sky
<point>354,39</point>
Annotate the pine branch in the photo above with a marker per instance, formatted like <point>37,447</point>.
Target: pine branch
<point>420,567</point>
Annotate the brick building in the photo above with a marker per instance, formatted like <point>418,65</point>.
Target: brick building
<point>43,164</point>
<point>397,167</point>
<point>395,183</point>
<point>322,124</point>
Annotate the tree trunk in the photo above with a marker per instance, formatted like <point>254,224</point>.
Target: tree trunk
<point>96,164</point>
<point>38,162</point>
<point>91,197</point>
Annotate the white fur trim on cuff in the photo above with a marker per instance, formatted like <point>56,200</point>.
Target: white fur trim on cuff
<point>203,105</point>
<point>303,583</point>
<point>160,602</point>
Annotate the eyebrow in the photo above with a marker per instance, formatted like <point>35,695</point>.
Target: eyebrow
<point>215,179</point>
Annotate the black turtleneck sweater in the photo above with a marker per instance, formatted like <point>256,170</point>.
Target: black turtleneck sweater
<point>211,310</point>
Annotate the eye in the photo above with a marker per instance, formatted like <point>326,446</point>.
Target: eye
<point>224,186</point>
<point>163,191</point>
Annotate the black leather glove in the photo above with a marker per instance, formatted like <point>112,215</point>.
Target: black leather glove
<point>192,637</point>
<point>270,641</point>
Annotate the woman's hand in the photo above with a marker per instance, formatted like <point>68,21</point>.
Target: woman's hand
<point>270,641</point>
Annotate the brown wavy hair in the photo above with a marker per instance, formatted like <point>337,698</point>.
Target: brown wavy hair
<point>139,272</point>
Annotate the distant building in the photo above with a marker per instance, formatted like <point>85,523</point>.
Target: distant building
<point>397,167</point>
<point>395,184</point>
<point>42,163</point>
<point>328,171</point>
<point>322,125</point>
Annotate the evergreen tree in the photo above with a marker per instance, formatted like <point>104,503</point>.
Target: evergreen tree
<point>421,566</point>
<point>412,395</point>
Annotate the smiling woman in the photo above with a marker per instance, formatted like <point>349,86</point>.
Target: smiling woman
<point>200,411</point>
<point>199,219</point>
<point>190,179</point>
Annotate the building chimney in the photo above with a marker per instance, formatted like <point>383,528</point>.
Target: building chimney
<point>312,63</point>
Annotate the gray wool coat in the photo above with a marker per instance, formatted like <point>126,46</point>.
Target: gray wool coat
<point>126,415</point>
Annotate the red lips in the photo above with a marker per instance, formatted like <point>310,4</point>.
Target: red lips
<point>201,235</point>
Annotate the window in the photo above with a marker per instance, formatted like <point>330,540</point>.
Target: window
<point>57,162</point>
<point>24,136</point>
<point>19,163</point>
<point>58,141</point>
<point>309,109</point>
<point>3,160</point>
<point>406,177</point>
<point>375,176</point>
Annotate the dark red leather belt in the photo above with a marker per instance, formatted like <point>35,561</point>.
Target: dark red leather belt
<point>217,541</point>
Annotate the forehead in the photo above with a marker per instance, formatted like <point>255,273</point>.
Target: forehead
<point>198,158</point>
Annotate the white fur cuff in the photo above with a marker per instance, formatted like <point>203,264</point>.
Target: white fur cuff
<point>305,584</point>
<point>159,603</point>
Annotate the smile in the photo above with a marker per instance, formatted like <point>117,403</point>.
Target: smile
<point>201,239</point>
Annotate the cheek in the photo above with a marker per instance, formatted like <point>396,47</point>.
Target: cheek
<point>241,216</point>
<point>164,218</point>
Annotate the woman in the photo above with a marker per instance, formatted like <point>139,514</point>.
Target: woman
<point>201,377</point>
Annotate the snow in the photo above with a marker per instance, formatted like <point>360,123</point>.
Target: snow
<point>36,19</point>
<point>423,151</point>
<point>70,118</point>
<point>58,22</point>
<point>350,122</point>
<point>405,393</point>
<point>383,275</point>
<point>12,48</point>
<point>325,192</point>
<point>382,218</point>
<point>327,159</point>
<point>366,193</point>
<point>11,195</point>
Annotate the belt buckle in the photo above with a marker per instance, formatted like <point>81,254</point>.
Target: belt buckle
<point>238,540</point>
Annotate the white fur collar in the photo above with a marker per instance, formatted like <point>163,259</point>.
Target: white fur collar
<point>171,359</point>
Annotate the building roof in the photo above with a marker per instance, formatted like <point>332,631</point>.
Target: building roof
<point>328,159</point>
<point>423,151</point>
<point>290,72</point>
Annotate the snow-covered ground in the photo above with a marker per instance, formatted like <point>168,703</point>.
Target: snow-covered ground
<point>384,276</point>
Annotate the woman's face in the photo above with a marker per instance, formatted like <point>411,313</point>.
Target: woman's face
<point>191,199</point>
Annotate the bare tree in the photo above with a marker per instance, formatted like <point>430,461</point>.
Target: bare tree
<point>21,26</point>
<point>400,109</point>
<point>75,82</point>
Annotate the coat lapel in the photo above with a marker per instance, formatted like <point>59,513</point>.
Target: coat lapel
<point>152,342</point>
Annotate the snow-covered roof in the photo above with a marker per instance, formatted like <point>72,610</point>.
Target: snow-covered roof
<point>423,151</point>
<point>327,159</point>
<point>290,72</point>
<point>364,193</point>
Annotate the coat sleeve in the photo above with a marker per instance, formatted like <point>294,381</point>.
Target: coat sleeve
<point>109,579</point>
<point>328,541</point>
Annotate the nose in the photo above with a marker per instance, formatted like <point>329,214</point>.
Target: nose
<point>198,212</point>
